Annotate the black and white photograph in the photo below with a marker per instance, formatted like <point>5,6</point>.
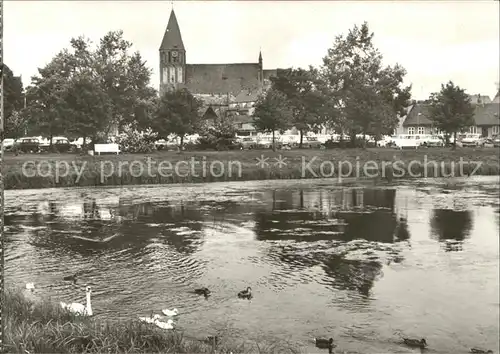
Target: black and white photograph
<point>240,177</point>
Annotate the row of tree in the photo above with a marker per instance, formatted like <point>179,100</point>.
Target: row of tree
<point>87,91</point>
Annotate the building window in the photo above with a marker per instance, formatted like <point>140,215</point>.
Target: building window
<point>495,129</point>
<point>421,130</point>
<point>473,130</point>
<point>411,130</point>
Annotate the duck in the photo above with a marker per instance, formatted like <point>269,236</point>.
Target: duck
<point>245,294</point>
<point>164,325</point>
<point>202,291</point>
<point>417,343</point>
<point>480,351</point>
<point>71,278</point>
<point>80,309</point>
<point>30,286</point>
<point>323,343</point>
<point>170,313</point>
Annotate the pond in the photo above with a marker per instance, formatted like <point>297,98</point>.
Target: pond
<point>353,262</point>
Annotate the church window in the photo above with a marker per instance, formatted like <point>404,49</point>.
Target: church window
<point>169,57</point>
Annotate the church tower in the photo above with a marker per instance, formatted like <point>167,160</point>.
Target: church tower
<point>172,57</point>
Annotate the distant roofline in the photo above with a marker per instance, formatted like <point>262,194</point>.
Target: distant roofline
<point>223,64</point>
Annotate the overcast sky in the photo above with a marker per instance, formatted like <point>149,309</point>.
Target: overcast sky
<point>434,41</point>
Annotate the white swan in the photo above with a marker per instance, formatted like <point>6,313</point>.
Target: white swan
<point>165,325</point>
<point>151,319</point>
<point>170,313</point>
<point>30,286</point>
<point>79,309</point>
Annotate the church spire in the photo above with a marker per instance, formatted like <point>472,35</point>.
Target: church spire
<point>260,57</point>
<point>172,37</point>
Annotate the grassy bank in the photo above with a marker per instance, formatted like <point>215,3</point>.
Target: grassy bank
<point>65,170</point>
<point>42,327</point>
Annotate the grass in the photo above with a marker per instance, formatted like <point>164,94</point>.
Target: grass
<point>129,169</point>
<point>42,327</point>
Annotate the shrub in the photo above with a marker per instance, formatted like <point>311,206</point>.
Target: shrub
<point>135,141</point>
<point>221,136</point>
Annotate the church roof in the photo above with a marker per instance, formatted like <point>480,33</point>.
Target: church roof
<point>222,78</point>
<point>172,37</point>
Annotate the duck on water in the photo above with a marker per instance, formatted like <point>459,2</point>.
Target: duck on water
<point>325,344</point>
<point>202,291</point>
<point>71,278</point>
<point>245,294</point>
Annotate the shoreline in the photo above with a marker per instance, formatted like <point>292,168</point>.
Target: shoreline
<point>39,325</point>
<point>40,171</point>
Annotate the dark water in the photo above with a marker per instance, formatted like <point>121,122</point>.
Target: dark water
<point>353,263</point>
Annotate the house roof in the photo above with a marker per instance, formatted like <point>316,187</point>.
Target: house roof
<point>210,114</point>
<point>242,119</point>
<point>247,96</point>
<point>497,98</point>
<point>418,115</point>
<point>269,73</point>
<point>216,99</point>
<point>476,99</point>
<point>172,37</point>
<point>485,114</point>
<point>222,78</point>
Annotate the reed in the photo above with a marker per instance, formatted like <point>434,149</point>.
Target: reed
<point>43,327</point>
<point>66,170</point>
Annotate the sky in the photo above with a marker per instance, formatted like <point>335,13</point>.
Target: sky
<point>434,41</point>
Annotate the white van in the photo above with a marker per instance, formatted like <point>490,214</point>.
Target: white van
<point>409,141</point>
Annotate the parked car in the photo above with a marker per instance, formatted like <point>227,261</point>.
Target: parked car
<point>248,142</point>
<point>496,141</point>
<point>407,141</point>
<point>385,141</point>
<point>8,144</point>
<point>170,144</point>
<point>28,145</point>
<point>59,144</point>
<point>432,141</point>
<point>266,142</point>
<point>311,142</point>
<point>77,144</point>
<point>473,140</point>
<point>290,141</point>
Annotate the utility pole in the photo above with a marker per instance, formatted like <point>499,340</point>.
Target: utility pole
<point>1,179</point>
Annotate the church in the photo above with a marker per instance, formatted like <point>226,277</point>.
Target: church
<point>207,81</point>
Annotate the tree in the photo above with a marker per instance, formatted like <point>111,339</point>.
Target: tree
<point>272,113</point>
<point>115,88</point>
<point>177,113</point>
<point>123,76</point>
<point>86,107</point>
<point>451,110</point>
<point>45,101</point>
<point>305,100</point>
<point>220,135</point>
<point>13,103</point>
<point>367,96</point>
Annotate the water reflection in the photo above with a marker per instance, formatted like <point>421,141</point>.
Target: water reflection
<point>451,227</point>
<point>402,232</point>
<point>324,255</point>
<point>341,214</point>
<point>353,274</point>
